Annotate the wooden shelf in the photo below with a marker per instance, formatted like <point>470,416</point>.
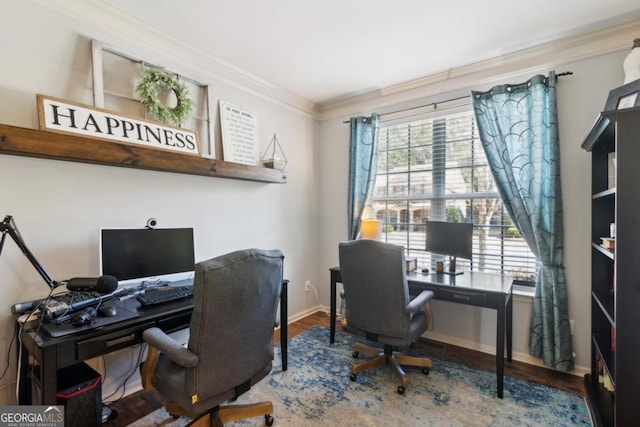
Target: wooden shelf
<point>606,252</point>
<point>606,193</point>
<point>48,145</point>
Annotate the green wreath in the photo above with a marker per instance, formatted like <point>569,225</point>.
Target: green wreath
<point>147,89</point>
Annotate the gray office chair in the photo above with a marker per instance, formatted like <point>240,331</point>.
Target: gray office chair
<point>230,345</point>
<point>379,307</point>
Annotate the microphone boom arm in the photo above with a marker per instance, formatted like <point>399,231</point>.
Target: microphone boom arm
<point>8,226</point>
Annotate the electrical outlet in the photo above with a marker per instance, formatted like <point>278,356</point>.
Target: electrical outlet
<point>307,286</point>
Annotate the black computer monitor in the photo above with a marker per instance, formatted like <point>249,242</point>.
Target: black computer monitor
<point>454,239</point>
<point>140,254</point>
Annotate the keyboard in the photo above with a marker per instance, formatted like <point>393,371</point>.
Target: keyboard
<point>163,295</point>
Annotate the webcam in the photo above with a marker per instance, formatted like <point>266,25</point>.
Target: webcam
<point>152,223</point>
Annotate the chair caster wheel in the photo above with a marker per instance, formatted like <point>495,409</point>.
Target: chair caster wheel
<point>355,354</point>
<point>353,377</point>
<point>400,389</point>
<point>425,371</point>
<point>268,420</point>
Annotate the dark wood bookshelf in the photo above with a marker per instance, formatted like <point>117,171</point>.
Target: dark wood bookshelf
<point>615,273</point>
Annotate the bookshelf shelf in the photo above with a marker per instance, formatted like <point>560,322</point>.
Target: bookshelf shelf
<point>610,192</point>
<point>606,252</point>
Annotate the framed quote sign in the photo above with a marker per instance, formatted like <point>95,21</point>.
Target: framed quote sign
<point>240,134</point>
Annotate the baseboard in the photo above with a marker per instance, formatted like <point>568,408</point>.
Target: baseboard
<point>517,356</point>
<point>307,312</point>
<point>471,345</point>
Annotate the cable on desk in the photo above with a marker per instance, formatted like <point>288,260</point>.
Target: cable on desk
<point>133,370</point>
<point>36,332</point>
<point>6,369</point>
<point>9,354</point>
<point>322,307</point>
<point>19,364</point>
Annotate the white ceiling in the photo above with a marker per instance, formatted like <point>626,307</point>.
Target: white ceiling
<point>324,50</point>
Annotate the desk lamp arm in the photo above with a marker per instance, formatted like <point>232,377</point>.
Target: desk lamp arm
<point>8,226</point>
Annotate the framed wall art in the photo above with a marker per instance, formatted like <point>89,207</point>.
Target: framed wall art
<point>626,96</point>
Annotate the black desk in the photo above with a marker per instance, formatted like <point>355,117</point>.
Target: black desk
<point>43,355</point>
<point>471,288</point>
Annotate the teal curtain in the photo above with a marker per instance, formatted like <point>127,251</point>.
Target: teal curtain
<point>363,161</point>
<point>518,127</point>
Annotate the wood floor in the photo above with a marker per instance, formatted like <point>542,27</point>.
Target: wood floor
<point>139,404</point>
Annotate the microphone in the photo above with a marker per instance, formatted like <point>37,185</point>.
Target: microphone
<point>50,307</point>
<point>23,307</point>
<point>102,284</point>
<point>54,307</point>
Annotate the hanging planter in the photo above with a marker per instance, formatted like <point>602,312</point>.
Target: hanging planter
<point>154,79</point>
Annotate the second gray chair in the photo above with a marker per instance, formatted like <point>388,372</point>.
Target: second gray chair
<point>379,306</point>
<point>230,345</point>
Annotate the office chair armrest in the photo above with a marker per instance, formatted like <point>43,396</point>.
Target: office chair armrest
<point>418,302</point>
<point>171,348</point>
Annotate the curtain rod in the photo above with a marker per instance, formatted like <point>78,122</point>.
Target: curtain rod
<point>435,104</point>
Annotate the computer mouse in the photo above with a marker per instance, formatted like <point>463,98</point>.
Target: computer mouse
<point>425,270</point>
<point>107,311</point>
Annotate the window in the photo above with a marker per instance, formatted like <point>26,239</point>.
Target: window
<point>436,169</point>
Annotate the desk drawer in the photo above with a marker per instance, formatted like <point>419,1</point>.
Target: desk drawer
<point>106,343</point>
<point>175,323</point>
<point>414,290</point>
<point>463,297</point>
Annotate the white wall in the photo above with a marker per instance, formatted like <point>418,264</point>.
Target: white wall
<point>580,98</point>
<point>59,206</point>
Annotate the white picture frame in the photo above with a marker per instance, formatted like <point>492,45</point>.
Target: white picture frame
<point>240,134</point>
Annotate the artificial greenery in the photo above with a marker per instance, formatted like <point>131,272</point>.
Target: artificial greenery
<point>152,80</point>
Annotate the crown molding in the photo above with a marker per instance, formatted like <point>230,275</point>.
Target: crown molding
<point>105,18</point>
<point>540,58</point>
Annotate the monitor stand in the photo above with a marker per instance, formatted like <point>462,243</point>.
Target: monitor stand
<point>452,267</point>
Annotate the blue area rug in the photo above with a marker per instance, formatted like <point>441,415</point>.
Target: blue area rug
<point>316,390</point>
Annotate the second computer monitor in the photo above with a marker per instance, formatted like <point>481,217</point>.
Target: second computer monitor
<point>454,239</point>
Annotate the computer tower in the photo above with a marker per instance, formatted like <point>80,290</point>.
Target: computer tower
<point>80,391</point>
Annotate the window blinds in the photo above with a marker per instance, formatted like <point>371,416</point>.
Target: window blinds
<point>436,169</point>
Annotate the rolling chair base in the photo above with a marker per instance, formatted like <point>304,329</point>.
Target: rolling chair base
<point>218,416</point>
<point>387,357</point>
